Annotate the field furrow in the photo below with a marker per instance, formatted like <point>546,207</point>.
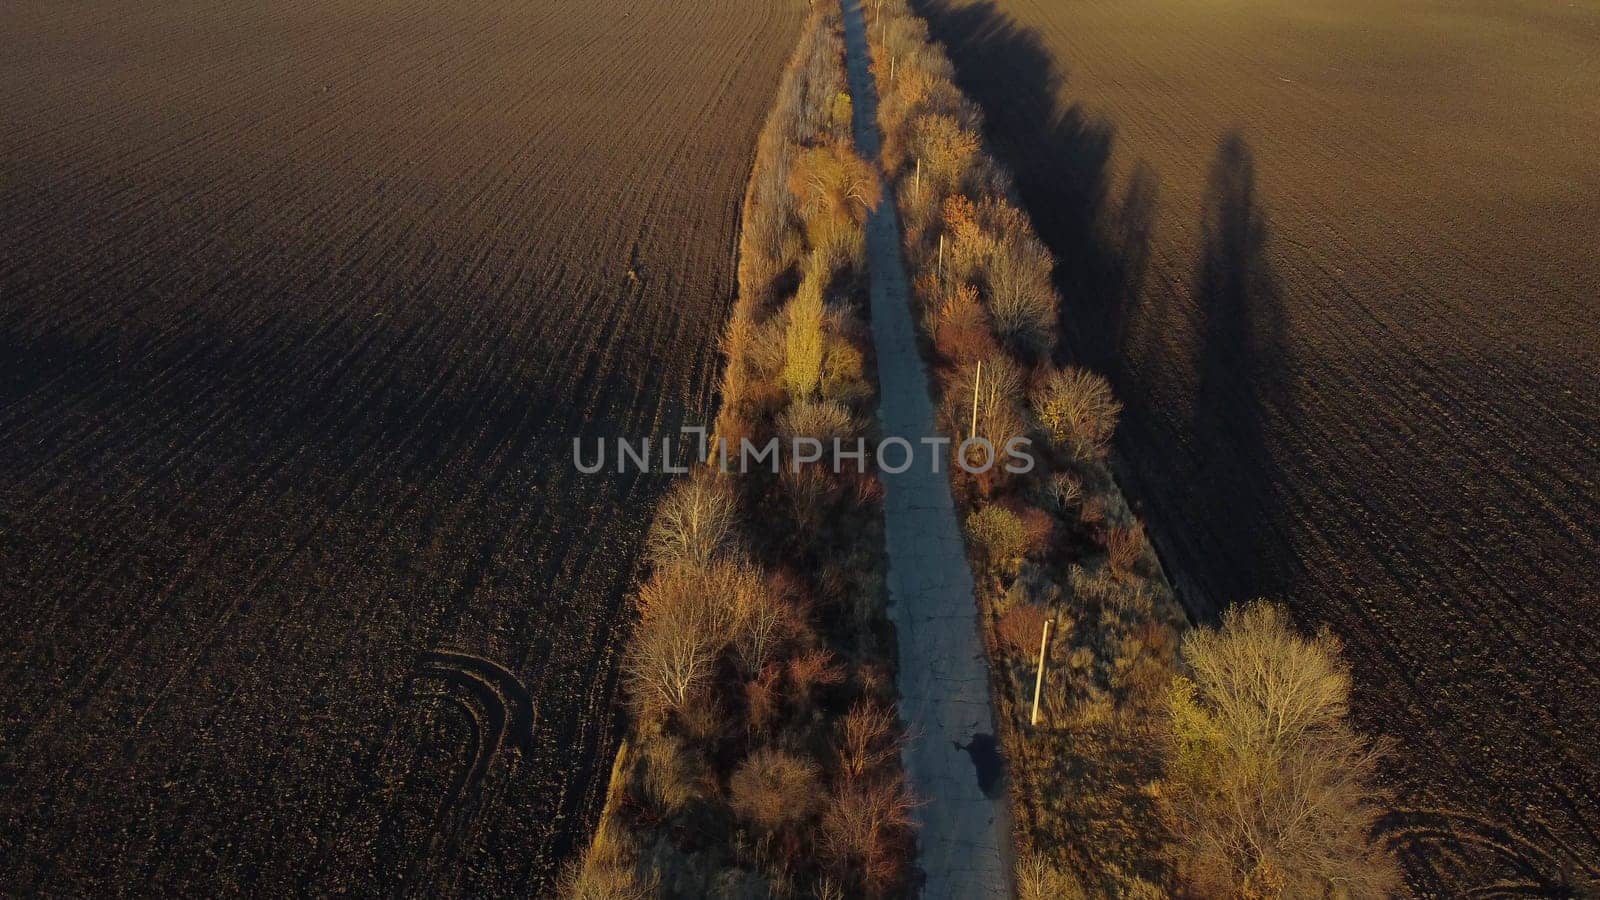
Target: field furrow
<point>301,308</point>
<point>1340,264</point>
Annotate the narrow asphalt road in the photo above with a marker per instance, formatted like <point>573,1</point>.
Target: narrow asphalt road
<point>952,760</point>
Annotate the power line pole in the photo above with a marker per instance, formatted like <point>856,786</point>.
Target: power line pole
<point>1038,679</point>
<point>977,382</point>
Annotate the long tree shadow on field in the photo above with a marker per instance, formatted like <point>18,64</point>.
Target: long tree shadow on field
<point>1242,381</point>
<point>1197,458</point>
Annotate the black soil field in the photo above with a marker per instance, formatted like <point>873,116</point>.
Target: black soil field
<point>301,305</point>
<point>1343,264</point>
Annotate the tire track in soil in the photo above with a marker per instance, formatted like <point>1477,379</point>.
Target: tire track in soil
<point>502,709</point>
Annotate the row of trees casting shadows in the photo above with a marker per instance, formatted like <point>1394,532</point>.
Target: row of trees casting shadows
<point>1225,535</point>
<point>1102,244</point>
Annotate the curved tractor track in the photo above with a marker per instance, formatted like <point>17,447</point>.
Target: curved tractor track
<point>301,305</point>
<point>501,714</point>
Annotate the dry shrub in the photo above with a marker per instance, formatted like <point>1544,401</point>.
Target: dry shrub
<point>767,345</point>
<point>1037,526</point>
<point>1021,628</point>
<point>767,348</point>
<point>875,679</point>
<point>735,344</point>
<point>804,339</point>
<point>763,620</point>
<point>970,247</point>
<point>609,869</point>
<point>811,670</point>
<point>1093,709</point>
<point>1271,789</point>
<point>844,372</point>
<point>961,328</point>
<point>1000,537</point>
<point>761,249</point>
<point>811,496</point>
<point>704,721</point>
<point>840,112</point>
<point>1146,682</point>
<point>694,523</point>
<point>763,696</point>
<point>918,214</point>
<point>670,773</point>
<point>869,740</point>
<point>772,789</point>
<point>1076,410</point>
<point>820,419</point>
<point>1125,545</point>
<point>866,834</point>
<point>1080,659</point>
<point>824,82</point>
<point>868,489</point>
<point>1097,588</point>
<point>841,247</point>
<point>900,38</point>
<point>1092,513</point>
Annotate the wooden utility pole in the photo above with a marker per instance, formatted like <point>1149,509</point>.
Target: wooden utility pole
<point>917,190</point>
<point>977,382</point>
<point>941,259</point>
<point>1038,679</point>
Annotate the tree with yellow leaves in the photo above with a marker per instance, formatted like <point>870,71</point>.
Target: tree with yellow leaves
<point>1271,788</point>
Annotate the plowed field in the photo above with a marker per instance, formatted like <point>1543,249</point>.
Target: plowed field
<point>1343,263</point>
<point>301,305</point>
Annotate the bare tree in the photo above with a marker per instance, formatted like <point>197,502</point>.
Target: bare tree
<point>693,524</point>
<point>945,147</point>
<point>763,619</point>
<point>1272,789</point>
<point>686,618</point>
<point>669,660</point>
<point>999,389</point>
<point>1022,299</point>
<point>1076,409</point>
<point>835,187</point>
<point>866,832</point>
<point>869,739</point>
<point>1039,879</point>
